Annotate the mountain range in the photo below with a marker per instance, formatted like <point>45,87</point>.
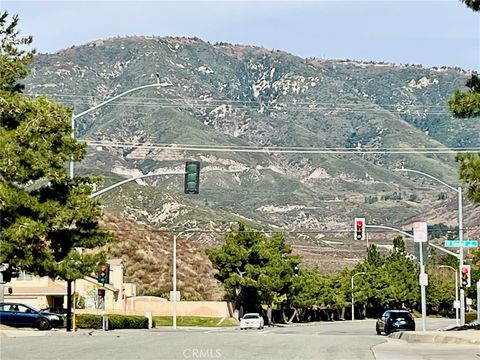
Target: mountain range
<point>285,143</point>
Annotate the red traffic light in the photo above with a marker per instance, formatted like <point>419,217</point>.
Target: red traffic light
<point>359,229</point>
<point>465,274</point>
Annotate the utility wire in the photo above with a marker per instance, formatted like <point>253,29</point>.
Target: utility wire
<point>250,104</point>
<point>273,150</point>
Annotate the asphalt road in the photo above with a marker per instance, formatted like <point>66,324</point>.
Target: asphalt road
<point>336,340</point>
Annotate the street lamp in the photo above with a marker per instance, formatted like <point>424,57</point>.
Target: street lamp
<point>174,278</point>
<point>456,290</point>
<point>353,302</point>
<point>460,231</point>
<point>74,117</point>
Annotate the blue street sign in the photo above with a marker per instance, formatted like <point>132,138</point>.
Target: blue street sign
<point>458,243</point>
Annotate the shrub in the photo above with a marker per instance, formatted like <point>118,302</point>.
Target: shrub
<point>127,322</point>
<point>90,321</point>
<point>470,316</point>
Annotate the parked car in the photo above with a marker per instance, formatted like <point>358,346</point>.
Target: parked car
<point>55,310</point>
<point>60,311</point>
<point>251,320</point>
<point>395,320</point>
<point>21,315</point>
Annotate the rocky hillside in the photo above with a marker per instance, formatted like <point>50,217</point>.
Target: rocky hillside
<point>288,143</point>
<point>147,255</point>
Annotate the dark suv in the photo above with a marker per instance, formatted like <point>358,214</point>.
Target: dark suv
<point>395,320</point>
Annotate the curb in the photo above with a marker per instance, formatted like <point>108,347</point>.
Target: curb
<point>14,333</point>
<point>435,338</point>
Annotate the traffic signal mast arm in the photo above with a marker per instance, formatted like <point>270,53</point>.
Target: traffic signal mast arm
<point>98,193</point>
<point>411,236</point>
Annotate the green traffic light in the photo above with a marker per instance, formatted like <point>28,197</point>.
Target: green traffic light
<point>192,177</point>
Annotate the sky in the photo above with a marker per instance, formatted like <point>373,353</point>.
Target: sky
<point>427,32</point>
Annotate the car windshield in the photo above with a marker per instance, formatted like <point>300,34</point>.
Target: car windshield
<point>251,316</point>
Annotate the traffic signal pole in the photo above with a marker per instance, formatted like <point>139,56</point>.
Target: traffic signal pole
<point>423,285</point>
<point>460,260</point>
<point>423,277</point>
<point>174,279</point>
<point>69,305</point>
<point>478,301</point>
<point>459,192</point>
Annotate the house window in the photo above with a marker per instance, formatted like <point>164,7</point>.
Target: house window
<point>24,276</point>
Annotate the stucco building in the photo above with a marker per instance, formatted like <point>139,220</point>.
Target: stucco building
<point>42,292</point>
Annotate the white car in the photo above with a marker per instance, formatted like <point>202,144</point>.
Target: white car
<point>251,320</point>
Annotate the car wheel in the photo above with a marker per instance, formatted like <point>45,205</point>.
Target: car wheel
<point>43,324</point>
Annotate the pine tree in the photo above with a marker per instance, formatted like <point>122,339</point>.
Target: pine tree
<point>464,104</point>
<point>44,215</point>
<point>254,268</point>
<point>472,4</point>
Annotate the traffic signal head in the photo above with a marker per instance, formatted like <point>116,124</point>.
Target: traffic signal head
<point>465,275</point>
<point>359,229</point>
<point>103,274</point>
<point>192,177</point>
<point>101,292</point>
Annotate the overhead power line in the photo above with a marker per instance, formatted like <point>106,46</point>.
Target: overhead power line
<point>255,105</point>
<point>280,150</point>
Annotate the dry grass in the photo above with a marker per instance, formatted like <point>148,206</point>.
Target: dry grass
<point>147,256</point>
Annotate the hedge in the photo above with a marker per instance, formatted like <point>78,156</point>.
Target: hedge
<point>470,316</point>
<point>91,321</point>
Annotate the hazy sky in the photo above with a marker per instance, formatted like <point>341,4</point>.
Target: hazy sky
<point>432,33</point>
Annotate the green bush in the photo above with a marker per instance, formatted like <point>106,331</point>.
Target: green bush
<point>90,321</point>
<point>470,316</point>
<point>127,322</point>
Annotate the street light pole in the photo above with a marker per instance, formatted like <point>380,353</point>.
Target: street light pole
<point>174,281</point>
<point>353,301</point>
<point>71,168</point>
<point>456,290</point>
<point>460,231</point>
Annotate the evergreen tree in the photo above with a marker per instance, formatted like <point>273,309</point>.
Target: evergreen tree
<point>472,4</point>
<point>254,269</point>
<point>44,215</point>
<point>465,104</point>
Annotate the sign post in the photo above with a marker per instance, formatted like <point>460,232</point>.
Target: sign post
<point>420,235</point>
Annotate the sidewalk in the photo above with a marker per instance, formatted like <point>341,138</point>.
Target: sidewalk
<point>465,337</point>
<point>31,332</point>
